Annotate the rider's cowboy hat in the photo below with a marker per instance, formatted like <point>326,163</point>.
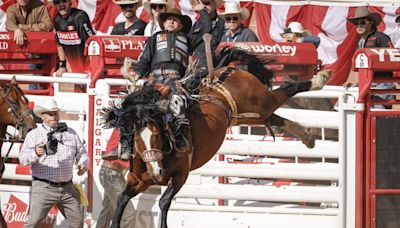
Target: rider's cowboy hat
<point>295,27</point>
<point>125,2</point>
<point>234,8</point>
<point>148,3</point>
<point>185,20</point>
<point>363,12</point>
<point>49,105</point>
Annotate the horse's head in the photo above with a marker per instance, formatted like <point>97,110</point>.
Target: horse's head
<point>14,108</point>
<point>141,112</point>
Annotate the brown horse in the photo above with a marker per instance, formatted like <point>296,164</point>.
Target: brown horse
<point>237,97</point>
<point>14,111</point>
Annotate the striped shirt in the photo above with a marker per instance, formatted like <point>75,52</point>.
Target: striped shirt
<point>57,167</point>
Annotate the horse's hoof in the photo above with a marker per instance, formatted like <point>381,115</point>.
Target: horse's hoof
<point>320,79</point>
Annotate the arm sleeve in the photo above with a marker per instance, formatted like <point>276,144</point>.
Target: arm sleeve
<point>384,41</point>
<point>143,65</point>
<point>84,27</point>
<point>45,23</point>
<point>81,153</point>
<point>251,36</point>
<point>311,39</point>
<point>199,29</point>
<point>11,22</point>
<point>28,155</point>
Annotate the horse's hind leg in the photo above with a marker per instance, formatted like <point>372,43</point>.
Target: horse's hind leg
<point>174,186</point>
<point>134,186</point>
<point>294,129</point>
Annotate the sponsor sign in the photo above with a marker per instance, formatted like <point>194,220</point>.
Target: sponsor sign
<point>15,209</point>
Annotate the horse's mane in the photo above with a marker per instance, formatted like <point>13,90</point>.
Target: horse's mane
<point>255,65</point>
<point>136,110</point>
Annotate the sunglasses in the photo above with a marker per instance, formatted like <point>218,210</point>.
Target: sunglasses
<point>362,22</point>
<point>128,6</point>
<point>234,18</point>
<point>159,6</point>
<point>56,2</point>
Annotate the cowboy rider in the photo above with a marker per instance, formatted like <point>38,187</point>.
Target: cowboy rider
<point>165,58</point>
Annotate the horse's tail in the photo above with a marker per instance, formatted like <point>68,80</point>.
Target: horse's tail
<point>254,64</point>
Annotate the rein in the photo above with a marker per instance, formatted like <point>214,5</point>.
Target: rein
<point>17,119</point>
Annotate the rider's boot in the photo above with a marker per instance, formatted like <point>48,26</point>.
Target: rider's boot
<point>125,146</point>
<point>183,137</point>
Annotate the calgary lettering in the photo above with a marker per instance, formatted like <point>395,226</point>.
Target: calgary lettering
<point>393,54</point>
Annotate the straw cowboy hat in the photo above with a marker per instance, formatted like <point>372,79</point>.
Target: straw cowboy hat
<point>185,20</point>
<point>148,3</point>
<point>363,12</point>
<point>234,8</point>
<point>125,2</point>
<point>49,105</point>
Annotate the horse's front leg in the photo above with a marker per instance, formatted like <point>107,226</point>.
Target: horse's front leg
<point>133,187</point>
<point>174,186</point>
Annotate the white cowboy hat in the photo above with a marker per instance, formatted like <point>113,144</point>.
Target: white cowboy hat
<point>49,105</point>
<point>295,27</point>
<point>234,8</point>
<point>125,2</point>
<point>148,3</point>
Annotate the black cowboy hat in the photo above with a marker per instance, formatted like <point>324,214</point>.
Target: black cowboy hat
<point>363,12</point>
<point>185,20</point>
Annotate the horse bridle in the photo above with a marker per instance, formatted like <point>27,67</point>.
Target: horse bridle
<point>18,119</point>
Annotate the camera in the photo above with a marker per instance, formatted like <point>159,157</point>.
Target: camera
<point>52,142</point>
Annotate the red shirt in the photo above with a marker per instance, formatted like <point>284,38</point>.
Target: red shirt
<point>112,145</point>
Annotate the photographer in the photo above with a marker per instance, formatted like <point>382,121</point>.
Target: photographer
<point>51,149</point>
<point>296,33</point>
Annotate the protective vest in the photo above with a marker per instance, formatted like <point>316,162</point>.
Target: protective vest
<point>171,47</point>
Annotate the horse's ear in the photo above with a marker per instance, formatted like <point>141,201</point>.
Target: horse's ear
<point>14,80</point>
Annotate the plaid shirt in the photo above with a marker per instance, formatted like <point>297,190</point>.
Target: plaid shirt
<point>57,167</point>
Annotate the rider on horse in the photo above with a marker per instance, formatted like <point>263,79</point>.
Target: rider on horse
<point>164,61</point>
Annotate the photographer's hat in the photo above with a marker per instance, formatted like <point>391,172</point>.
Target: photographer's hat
<point>49,105</point>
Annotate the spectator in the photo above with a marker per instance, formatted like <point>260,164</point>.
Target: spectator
<point>155,8</point>
<point>73,28</point>
<point>215,28</point>
<point>236,32</point>
<point>369,37</point>
<point>132,25</point>
<point>51,150</point>
<point>295,33</point>
<point>27,16</point>
<point>165,57</point>
<point>112,178</point>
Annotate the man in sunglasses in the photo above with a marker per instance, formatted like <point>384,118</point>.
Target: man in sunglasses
<point>366,27</point>
<point>236,32</point>
<point>132,25</point>
<point>27,16</point>
<point>72,29</point>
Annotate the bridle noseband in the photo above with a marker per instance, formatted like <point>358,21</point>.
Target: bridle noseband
<point>18,119</point>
